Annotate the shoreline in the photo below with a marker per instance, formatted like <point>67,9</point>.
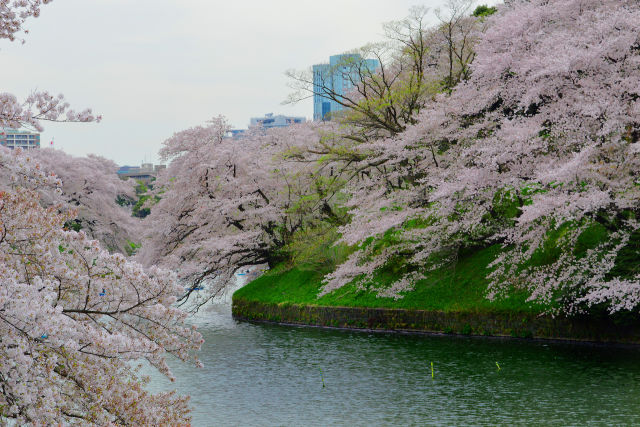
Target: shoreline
<point>607,344</point>
<point>602,331</point>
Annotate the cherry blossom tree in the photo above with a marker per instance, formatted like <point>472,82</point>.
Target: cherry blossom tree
<point>229,203</point>
<point>91,187</point>
<point>537,151</point>
<point>73,317</point>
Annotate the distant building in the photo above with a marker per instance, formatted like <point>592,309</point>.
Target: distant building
<point>13,138</point>
<point>146,172</point>
<point>336,77</point>
<point>236,133</point>
<point>279,121</point>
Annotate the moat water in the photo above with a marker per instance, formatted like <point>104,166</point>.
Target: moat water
<point>258,374</point>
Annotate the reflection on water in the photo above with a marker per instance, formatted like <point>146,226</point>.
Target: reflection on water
<point>270,375</point>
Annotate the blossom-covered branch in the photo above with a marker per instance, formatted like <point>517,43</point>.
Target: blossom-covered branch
<point>72,317</point>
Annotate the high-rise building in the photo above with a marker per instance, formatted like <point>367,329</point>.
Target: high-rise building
<point>337,78</point>
<point>279,121</point>
<point>13,138</point>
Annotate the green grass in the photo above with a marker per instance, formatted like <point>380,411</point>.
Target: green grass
<point>450,289</point>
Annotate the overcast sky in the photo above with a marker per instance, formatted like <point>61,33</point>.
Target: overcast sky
<point>154,67</point>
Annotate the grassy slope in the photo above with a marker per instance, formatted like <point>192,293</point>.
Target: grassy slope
<point>447,289</point>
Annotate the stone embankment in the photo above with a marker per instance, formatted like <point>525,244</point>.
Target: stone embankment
<point>421,321</point>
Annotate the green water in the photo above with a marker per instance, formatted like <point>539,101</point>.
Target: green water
<point>271,375</point>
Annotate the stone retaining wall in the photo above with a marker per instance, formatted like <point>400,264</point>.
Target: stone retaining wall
<point>495,324</point>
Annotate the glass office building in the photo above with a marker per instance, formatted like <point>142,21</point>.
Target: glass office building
<point>336,77</point>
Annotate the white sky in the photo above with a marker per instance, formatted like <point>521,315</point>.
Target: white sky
<point>154,67</point>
